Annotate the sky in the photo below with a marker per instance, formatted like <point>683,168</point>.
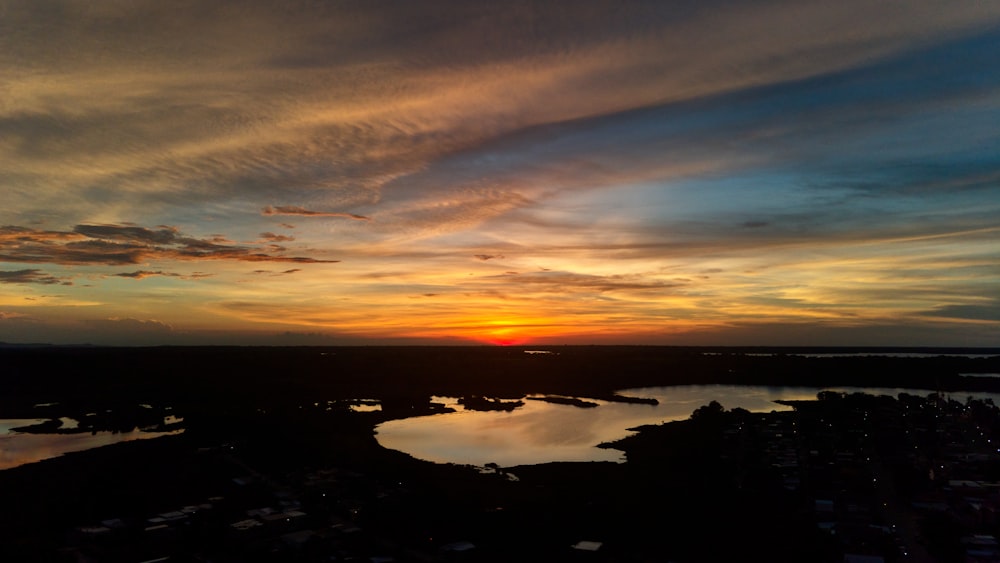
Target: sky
<point>521,172</point>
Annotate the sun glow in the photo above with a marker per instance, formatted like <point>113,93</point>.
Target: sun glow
<point>507,341</point>
<point>507,336</point>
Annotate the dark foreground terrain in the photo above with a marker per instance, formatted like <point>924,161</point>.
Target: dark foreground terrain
<point>274,464</point>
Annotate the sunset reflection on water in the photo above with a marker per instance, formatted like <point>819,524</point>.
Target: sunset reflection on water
<point>542,432</point>
<point>19,448</point>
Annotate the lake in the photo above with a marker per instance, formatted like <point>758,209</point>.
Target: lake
<point>19,448</point>
<point>542,432</point>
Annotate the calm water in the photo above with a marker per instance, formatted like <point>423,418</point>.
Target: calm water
<point>18,448</point>
<point>541,432</point>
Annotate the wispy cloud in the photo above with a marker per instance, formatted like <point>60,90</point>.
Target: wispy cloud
<point>30,276</point>
<point>282,273</point>
<point>142,274</point>
<point>142,325</point>
<point>165,235</point>
<point>986,312</point>
<point>7,315</point>
<point>568,282</point>
<point>301,211</point>
<point>271,237</point>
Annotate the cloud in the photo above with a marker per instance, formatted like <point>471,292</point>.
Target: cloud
<point>764,333</point>
<point>12,234</point>
<point>127,331</point>
<point>30,276</point>
<point>301,211</point>
<point>443,213</point>
<point>165,235</point>
<point>283,273</point>
<point>355,119</point>
<point>485,257</point>
<point>271,237</point>
<point>141,274</point>
<point>563,282</point>
<point>6,315</point>
<point>266,103</point>
<point>989,312</point>
<point>120,245</point>
<point>129,324</point>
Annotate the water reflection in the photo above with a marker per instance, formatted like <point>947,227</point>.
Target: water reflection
<point>522,436</point>
<point>542,432</point>
<point>18,449</point>
<point>66,423</point>
<point>7,424</point>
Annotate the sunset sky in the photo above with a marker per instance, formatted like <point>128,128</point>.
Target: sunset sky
<point>580,172</point>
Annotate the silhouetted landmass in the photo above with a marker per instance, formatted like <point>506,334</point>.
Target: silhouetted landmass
<point>479,403</point>
<point>276,429</point>
<point>118,416</point>
<point>616,398</point>
<point>234,375</point>
<point>572,401</point>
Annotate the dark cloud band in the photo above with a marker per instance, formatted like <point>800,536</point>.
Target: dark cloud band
<point>303,212</point>
<point>122,245</point>
<point>30,276</point>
